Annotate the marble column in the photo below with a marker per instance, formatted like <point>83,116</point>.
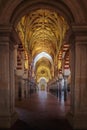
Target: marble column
<point>78,111</point>
<point>7,92</point>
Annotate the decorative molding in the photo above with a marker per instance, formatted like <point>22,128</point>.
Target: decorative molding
<point>8,33</point>
<point>79,29</point>
<point>80,33</point>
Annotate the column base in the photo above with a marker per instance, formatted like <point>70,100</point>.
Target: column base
<point>77,121</point>
<point>8,121</point>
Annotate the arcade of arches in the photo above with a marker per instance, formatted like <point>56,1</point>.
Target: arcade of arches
<point>43,47</point>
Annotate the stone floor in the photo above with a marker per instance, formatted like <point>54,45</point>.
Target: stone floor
<point>42,111</point>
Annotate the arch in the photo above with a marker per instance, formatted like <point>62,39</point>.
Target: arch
<point>68,9</point>
<point>42,78</point>
<point>27,6</point>
<point>43,61</point>
<point>75,14</point>
<point>42,83</point>
<point>41,55</point>
<point>18,9</point>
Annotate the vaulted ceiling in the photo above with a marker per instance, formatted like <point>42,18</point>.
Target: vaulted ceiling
<point>42,31</point>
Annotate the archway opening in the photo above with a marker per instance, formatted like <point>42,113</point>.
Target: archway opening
<point>44,51</point>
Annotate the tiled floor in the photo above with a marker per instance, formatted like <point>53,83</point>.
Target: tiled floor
<point>42,111</point>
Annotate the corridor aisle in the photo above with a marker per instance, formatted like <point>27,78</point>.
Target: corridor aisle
<point>42,111</point>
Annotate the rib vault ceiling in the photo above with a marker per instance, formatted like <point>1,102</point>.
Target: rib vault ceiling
<point>42,33</point>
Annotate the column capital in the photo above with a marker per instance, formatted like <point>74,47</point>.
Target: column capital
<point>8,33</point>
<point>80,32</point>
<point>81,28</point>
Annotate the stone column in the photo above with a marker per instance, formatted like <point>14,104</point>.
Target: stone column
<point>7,93</point>
<point>60,89</point>
<point>15,56</point>
<point>65,88</point>
<point>78,113</point>
<point>23,85</point>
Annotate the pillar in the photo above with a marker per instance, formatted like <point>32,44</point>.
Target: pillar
<point>23,85</point>
<point>65,88</point>
<point>7,92</point>
<point>78,112</point>
<point>60,89</point>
